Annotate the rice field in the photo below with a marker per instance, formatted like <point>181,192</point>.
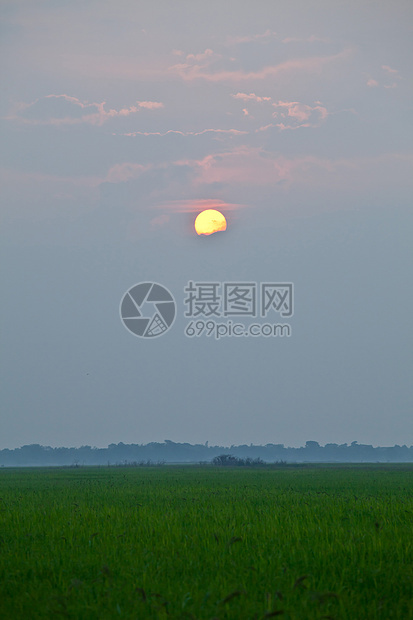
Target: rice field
<point>193,542</point>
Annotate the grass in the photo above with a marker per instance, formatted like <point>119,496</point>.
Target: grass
<point>207,543</point>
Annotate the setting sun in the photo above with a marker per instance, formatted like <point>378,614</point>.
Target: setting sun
<point>209,222</point>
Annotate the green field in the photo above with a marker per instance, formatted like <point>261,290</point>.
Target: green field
<point>295,542</point>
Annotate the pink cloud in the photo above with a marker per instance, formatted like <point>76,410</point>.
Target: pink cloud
<point>313,64</point>
<point>207,54</point>
<point>235,132</point>
<point>119,173</point>
<point>66,110</point>
<point>241,173</point>
<point>265,127</point>
<point>250,97</point>
<point>295,114</point>
<point>389,72</point>
<point>200,61</point>
<point>150,105</point>
<point>195,205</point>
<point>249,168</point>
<point>244,166</point>
<point>389,69</point>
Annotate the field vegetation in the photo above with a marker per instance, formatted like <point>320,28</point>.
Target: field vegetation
<point>205,542</point>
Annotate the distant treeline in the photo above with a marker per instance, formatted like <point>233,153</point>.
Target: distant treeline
<point>171,452</point>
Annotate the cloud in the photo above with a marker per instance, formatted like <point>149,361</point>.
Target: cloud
<point>206,55</point>
<point>249,168</point>
<point>235,132</point>
<point>389,69</point>
<point>67,110</point>
<point>195,205</point>
<point>150,105</point>
<point>388,72</point>
<point>231,40</point>
<point>243,166</point>
<point>119,173</point>
<point>314,64</point>
<point>250,97</point>
<point>265,127</point>
<point>290,114</point>
<point>240,177</point>
<point>200,61</point>
<point>295,114</point>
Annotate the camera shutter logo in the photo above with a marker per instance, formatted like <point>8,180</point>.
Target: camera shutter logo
<point>148,310</point>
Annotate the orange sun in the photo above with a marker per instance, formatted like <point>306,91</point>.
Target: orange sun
<point>209,222</point>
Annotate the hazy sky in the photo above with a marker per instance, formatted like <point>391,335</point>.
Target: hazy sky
<point>121,121</point>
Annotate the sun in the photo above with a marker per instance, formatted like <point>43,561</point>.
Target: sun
<point>210,221</point>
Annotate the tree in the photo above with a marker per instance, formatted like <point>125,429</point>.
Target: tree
<point>224,459</point>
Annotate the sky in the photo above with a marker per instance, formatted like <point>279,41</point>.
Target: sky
<point>120,122</point>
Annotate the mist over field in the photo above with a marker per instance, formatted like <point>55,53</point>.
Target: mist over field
<point>170,452</point>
